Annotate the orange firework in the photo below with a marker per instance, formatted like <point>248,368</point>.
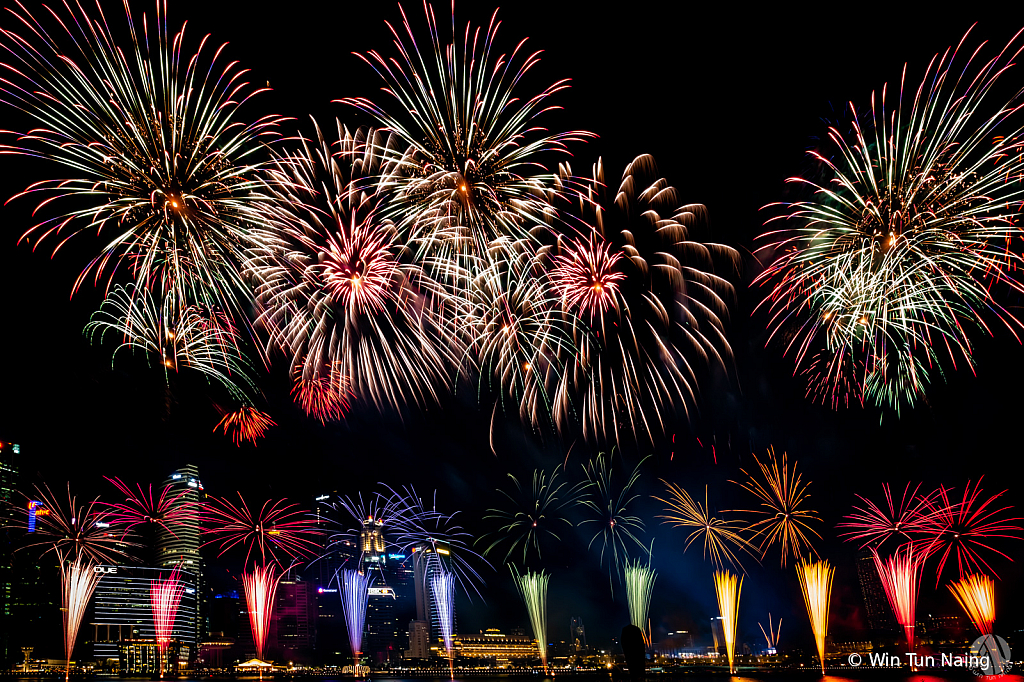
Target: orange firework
<point>782,494</point>
<point>816,584</point>
<point>245,423</point>
<point>727,588</point>
<point>323,398</point>
<point>977,595</point>
<point>718,533</point>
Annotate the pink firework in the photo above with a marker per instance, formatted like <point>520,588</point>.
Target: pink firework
<point>276,533</point>
<point>901,578</point>
<point>358,266</point>
<point>586,276</point>
<point>260,588</point>
<point>325,398</point>
<point>965,528</point>
<point>245,423</point>
<point>873,524</point>
<point>141,508</point>
<point>164,598</point>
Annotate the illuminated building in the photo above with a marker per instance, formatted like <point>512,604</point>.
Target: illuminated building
<point>8,479</point>
<point>495,648</point>
<point>577,635</point>
<point>419,640</point>
<point>142,657</point>
<point>294,622</point>
<point>876,604</point>
<point>427,558</point>
<point>391,595</point>
<point>122,611</point>
<point>718,636</point>
<point>180,545</point>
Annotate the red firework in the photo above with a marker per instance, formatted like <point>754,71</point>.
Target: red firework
<point>245,423</point>
<point>358,267</point>
<point>278,531</point>
<point>964,528</point>
<point>901,578</point>
<point>586,277</point>
<point>164,598</point>
<point>323,398</point>
<point>260,587</point>
<point>873,524</point>
<point>140,508</point>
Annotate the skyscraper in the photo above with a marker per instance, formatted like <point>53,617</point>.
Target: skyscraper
<point>427,560</point>
<point>577,635</point>
<point>8,479</point>
<point>295,616</point>
<point>180,545</point>
<point>876,604</point>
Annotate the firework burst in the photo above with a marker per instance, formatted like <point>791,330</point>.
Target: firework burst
<point>976,593</point>
<point>466,173</point>
<point>278,532</point>
<point>78,582</point>
<point>245,424</point>
<point>785,520</point>
<point>965,528</point>
<point>903,250</point>
<point>651,306</point>
<point>533,513</point>
<point>73,530</point>
<point>904,521</point>
<point>336,287</point>
<point>533,587</point>
<point>816,584</point>
<point>260,587</point>
<point>639,580</point>
<point>609,505</point>
<point>727,590</point>
<point>720,535</point>
<point>324,398</point>
<point>141,509</point>
<point>151,135</point>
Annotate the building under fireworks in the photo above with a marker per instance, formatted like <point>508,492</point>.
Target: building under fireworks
<point>495,648</point>
<point>123,612</point>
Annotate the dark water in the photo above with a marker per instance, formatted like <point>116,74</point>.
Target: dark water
<point>695,676</point>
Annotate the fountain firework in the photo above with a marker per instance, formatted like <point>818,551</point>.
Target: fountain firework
<point>355,592</point>
<point>977,595</point>
<point>442,586</point>
<point>78,581</point>
<point>816,583</point>
<point>901,577</point>
<point>727,588</point>
<point>639,585</point>
<point>534,588</point>
<point>164,597</point>
<point>771,636</point>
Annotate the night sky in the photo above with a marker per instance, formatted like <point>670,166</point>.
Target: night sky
<point>727,102</point>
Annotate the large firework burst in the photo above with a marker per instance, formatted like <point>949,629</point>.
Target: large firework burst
<point>533,514</point>
<point>160,164</point>
<point>650,298</point>
<point>903,250</point>
<point>609,503</point>
<point>466,174</point>
<point>904,521</point>
<point>784,517</point>
<point>276,533</point>
<point>720,535</point>
<point>335,285</point>
<point>72,529</point>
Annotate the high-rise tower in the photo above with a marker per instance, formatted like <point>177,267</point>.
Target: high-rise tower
<point>180,544</point>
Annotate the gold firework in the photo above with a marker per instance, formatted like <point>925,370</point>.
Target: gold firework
<point>977,595</point>
<point>816,584</point>
<point>727,589</point>
<point>719,534</point>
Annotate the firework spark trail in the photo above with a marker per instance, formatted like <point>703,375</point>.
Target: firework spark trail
<point>181,337</point>
<point>966,527</point>
<point>976,593</point>
<point>153,143</point>
<point>816,584</point>
<point>901,578</point>
<point>534,513</point>
<point>336,287</point>
<point>78,582</point>
<point>719,534</point>
<point>324,398</point>
<point>245,424</point>
<point>727,590</point>
<point>442,586</point>
<point>260,588</point>
<point>355,593</point>
<point>661,308</point>
<point>907,521</point>
<point>278,532</point>
<point>74,530</point>
<point>906,245</point>
<point>639,586</point>
<point>534,589</point>
<point>140,508</point>
<point>783,495</point>
<point>164,598</point>
<point>609,505</point>
<point>466,175</point>
<point>771,636</point>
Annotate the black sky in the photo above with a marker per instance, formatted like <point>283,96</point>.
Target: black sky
<point>728,101</point>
